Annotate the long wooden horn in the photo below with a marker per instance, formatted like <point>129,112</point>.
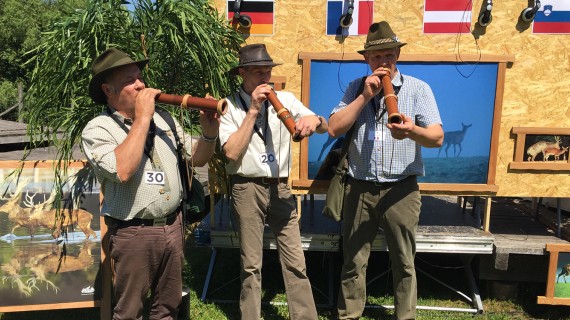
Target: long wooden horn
<point>190,102</point>
<point>284,115</point>
<point>391,100</point>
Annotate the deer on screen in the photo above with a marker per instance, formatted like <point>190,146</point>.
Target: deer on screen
<point>454,138</point>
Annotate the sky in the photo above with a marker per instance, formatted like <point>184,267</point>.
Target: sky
<point>131,6</point>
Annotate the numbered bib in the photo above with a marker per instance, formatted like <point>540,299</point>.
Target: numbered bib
<point>154,177</point>
<point>267,159</point>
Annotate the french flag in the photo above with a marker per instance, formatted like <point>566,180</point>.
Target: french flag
<point>362,17</point>
<point>447,16</point>
<point>553,17</point>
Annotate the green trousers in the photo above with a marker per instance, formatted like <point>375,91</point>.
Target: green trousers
<point>395,208</point>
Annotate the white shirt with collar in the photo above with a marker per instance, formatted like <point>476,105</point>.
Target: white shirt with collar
<point>269,156</point>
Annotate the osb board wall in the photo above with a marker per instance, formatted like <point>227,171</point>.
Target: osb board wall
<point>537,88</point>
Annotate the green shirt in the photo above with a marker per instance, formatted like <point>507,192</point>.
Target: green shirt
<point>134,198</point>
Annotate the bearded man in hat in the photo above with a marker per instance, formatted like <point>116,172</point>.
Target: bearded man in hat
<point>258,148</point>
<point>133,152</point>
<point>384,159</point>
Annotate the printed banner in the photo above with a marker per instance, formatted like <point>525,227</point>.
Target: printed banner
<point>362,17</point>
<point>44,261</point>
<point>261,13</point>
<point>553,17</point>
<point>447,16</point>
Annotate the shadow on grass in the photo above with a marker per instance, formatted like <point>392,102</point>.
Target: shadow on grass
<point>323,270</point>
<point>224,286</point>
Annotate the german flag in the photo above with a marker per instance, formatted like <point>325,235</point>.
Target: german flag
<point>260,12</point>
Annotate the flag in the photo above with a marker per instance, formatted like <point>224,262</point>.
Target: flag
<point>447,16</point>
<point>261,13</point>
<point>553,17</point>
<point>362,17</point>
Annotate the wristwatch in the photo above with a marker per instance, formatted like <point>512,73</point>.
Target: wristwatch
<point>320,121</point>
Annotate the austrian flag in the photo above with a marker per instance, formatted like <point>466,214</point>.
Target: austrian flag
<point>447,16</point>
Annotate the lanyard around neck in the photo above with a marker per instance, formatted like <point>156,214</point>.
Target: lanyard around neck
<point>257,130</point>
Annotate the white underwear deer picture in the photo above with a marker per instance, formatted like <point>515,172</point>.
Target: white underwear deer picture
<point>454,138</point>
<point>540,148</point>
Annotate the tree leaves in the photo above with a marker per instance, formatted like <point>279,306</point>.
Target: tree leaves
<point>190,45</point>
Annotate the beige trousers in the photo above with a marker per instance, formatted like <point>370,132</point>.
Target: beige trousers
<point>254,205</point>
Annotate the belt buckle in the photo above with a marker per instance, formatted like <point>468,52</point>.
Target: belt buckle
<point>159,222</point>
<point>385,184</point>
<point>265,182</point>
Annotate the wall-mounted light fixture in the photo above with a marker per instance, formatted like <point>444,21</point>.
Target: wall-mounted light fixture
<point>346,19</point>
<point>529,13</point>
<point>243,20</point>
<point>485,17</point>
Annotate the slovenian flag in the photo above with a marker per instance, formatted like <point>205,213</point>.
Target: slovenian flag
<point>260,12</point>
<point>362,17</point>
<point>553,17</point>
<point>447,16</point>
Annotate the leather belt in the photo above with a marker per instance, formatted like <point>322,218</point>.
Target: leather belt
<point>387,184</point>
<point>258,180</point>
<point>158,222</point>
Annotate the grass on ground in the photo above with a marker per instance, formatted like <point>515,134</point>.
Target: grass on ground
<point>224,285</point>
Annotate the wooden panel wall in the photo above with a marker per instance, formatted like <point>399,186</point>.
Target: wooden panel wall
<point>537,85</point>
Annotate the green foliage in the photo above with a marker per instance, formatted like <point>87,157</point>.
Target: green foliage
<point>190,45</point>
<point>21,24</point>
<point>8,95</point>
<point>18,33</point>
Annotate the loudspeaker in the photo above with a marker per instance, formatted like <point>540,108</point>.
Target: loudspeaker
<point>243,20</point>
<point>346,19</point>
<point>485,17</point>
<point>529,13</point>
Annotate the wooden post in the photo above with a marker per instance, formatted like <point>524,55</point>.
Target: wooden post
<point>487,214</point>
<point>20,100</point>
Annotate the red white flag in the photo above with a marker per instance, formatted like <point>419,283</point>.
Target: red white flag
<point>447,16</point>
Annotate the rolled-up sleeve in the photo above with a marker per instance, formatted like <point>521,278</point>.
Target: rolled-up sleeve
<point>228,124</point>
<point>99,147</point>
